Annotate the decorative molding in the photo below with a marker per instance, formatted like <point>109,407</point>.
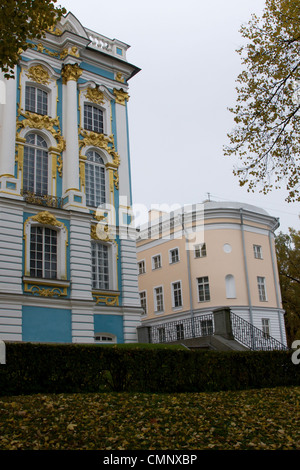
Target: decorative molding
<point>100,232</point>
<point>45,291</point>
<point>108,299</point>
<point>95,95</point>
<point>46,218</point>
<point>43,122</point>
<point>70,72</point>
<point>38,74</point>
<point>119,77</point>
<point>121,96</point>
<point>102,141</point>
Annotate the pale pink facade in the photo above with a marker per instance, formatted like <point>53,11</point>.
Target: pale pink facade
<point>231,262</point>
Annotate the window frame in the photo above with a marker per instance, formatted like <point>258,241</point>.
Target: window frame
<point>158,256</point>
<point>93,128</point>
<point>155,289</point>
<point>98,287</point>
<point>257,249</point>
<point>142,263</point>
<point>37,88</point>
<point>171,261</point>
<point>262,289</point>
<point>265,326</point>
<point>201,249</point>
<point>94,165</point>
<point>30,147</point>
<point>35,259</point>
<point>145,308</point>
<point>179,306</point>
<point>203,285</point>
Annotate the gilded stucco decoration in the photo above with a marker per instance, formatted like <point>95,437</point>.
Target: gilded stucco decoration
<point>45,292</point>
<point>119,77</point>
<point>37,121</point>
<point>95,95</point>
<point>71,72</point>
<point>109,300</point>
<point>46,218</point>
<point>121,96</point>
<point>100,232</point>
<point>102,141</point>
<point>38,74</point>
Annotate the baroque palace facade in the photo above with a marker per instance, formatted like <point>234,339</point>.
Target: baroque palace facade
<point>66,273</point>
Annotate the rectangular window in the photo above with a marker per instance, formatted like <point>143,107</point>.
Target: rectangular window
<point>43,253</point>
<point>206,327</point>
<point>143,300</point>
<point>174,256</point>
<point>266,327</point>
<point>100,266</point>
<point>200,250</point>
<point>159,299</point>
<point>36,100</point>
<point>203,289</point>
<point>93,118</point>
<point>261,283</point>
<point>156,262</point>
<point>257,251</point>
<point>161,335</point>
<point>141,267</point>
<point>177,297</point>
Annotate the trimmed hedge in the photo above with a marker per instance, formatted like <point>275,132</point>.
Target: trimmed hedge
<point>73,368</point>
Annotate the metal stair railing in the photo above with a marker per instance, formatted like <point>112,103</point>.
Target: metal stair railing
<point>182,329</point>
<point>252,337</point>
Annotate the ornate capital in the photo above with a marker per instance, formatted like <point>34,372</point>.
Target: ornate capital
<point>70,72</point>
<point>121,96</point>
<point>38,74</point>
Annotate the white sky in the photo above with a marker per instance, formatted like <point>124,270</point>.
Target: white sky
<point>178,103</point>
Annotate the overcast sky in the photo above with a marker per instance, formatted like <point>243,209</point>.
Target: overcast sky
<point>178,103</point>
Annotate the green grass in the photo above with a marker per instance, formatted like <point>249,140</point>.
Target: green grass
<point>251,419</point>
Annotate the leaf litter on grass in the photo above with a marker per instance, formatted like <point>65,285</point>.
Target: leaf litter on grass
<point>250,419</point>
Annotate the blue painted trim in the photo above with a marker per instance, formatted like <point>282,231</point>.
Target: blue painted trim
<point>97,70</point>
<point>128,151</point>
<point>46,324</point>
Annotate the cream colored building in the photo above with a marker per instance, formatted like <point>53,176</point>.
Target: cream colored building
<point>208,256</point>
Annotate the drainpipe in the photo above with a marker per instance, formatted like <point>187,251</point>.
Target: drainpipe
<point>276,285</point>
<point>189,276</point>
<point>246,270</point>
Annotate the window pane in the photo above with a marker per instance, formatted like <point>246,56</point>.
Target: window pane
<point>35,165</point>
<point>100,266</point>
<point>43,248</point>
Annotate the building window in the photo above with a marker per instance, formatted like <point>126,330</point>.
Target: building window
<point>36,100</point>
<point>156,262</point>
<point>179,331</point>
<point>230,286</point>
<point>35,165</point>
<point>105,338</point>
<point>100,266</point>
<point>203,289</point>
<point>94,179</point>
<point>159,299</point>
<point>206,327</point>
<point>261,283</point>
<point>141,267</point>
<point>43,252</point>
<point>174,255</point>
<point>257,251</point>
<point>93,118</point>
<point>143,300</point>
<point>177,296</point>
<point>200,250</point>
<point>266,327</point>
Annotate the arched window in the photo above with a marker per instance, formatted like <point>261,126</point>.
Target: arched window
<point>36,100</point>
<point>94,179</point>
<point>230,286</point>
<point>35,165</point>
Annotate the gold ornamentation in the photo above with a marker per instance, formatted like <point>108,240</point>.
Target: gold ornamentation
<point>71,72</point>
<point>54,30</point>
<point>100,232</point>
<point>119,77</point>
<point>46,292</point>
<point>95,95</point>
<point>38,74</point>
<point>46,218</point>
<point>116,179</point>
<point>37,121</point>
<point>99,140</point>
<point>108,299</point>
<point>59,165</point>
<point>121,96</point>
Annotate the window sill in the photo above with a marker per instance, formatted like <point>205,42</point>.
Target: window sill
<point>46,282</point>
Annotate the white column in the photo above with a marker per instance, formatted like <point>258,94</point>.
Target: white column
<point>74,198</point>
<point>8,125</point>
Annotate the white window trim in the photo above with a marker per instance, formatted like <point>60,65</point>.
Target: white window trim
<point>199,245</point>
<point>265,288</point>
<point>259,252</point>
<point>103,335</point>
<point>105,106</point>
<point>158,312</point>
<point>112,268</point>
<point>268,326</point>
<point>152,261</point>
<point>205,300</point>
<point>173,296</point>
<point>170,255</point>
<point>62,242</point>
<point>141,261</point>
<point>144,292</point>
